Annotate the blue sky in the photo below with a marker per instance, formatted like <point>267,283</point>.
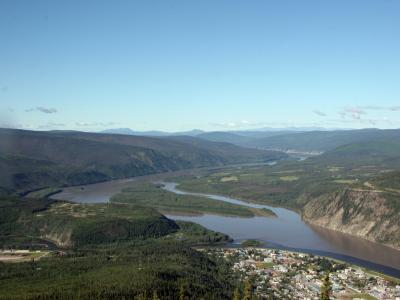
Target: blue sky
<point>213,65</point>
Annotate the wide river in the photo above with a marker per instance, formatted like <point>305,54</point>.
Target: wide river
<point>286,231</point>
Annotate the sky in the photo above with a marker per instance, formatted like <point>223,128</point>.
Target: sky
<point>213,65</point>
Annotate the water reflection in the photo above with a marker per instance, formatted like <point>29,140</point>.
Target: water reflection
<point>349,244</point>
<point>289,230</point>
<point>93,193</point>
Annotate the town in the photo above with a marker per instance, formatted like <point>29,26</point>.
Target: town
<point>290,275</point>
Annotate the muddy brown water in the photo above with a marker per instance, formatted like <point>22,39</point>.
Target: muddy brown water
<point>286,231</point>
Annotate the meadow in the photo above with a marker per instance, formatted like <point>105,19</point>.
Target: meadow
<point>152,195</point>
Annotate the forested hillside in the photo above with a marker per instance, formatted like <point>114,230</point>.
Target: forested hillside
<point>106,252</point>
<point>304,141</point>
<point>30,160</point>
<point>324,140</point>
<point>380,152</point>
<point>354,188</point>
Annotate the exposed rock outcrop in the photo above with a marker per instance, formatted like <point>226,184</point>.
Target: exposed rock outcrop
<point>372,215</point>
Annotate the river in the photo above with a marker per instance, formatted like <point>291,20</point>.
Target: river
<point>286,231</point>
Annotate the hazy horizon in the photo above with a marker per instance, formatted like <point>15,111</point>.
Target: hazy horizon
<point>195,131</point>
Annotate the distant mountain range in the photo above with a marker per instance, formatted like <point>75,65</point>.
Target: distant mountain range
<point>323,140</point>
<point>129,131</point>
<point>33,159</point>
<point>258,132</point>
<point>302,141</point>
<point>384,152</point>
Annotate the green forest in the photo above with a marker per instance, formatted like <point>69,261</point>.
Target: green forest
<point>107,251</point>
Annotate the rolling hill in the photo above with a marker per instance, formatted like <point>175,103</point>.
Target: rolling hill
<point>303,141</point>
<point>323,140</point>
<point>33,159</point>
<point>129,131</point>
<point>227,137</point>
<point>105,251</point>
<point>381,152</point>
<point>243,138</point>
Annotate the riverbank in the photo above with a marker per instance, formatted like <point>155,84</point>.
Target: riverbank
<point>285,274</point>
<point>155,195</point>
<point>55,191</point>
<point>358,201</point>
<point>15,256</point>
<point>288,229</point>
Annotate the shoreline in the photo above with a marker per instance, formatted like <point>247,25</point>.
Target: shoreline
<point>392,272</point>
<point>351,259</point>
<point>25,194</point>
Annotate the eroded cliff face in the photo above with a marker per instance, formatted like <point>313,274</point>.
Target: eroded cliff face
<point>372,215</point>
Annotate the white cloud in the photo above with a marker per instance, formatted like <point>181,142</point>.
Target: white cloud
<point>237,124</point>
<point>46,110</point>
<point>95,124</point>
<point>374,107</point>
<point>354,113</point>
<point>51,125</point>
<point>359,114</point>
<point>319,113</point>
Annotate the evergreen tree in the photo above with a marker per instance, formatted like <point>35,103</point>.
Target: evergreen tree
<point>326,288</point>
<point>141,296</point>
<point>248,290</point>
<point>183,293</point>
<point>236,294</point>
<point>155,296</point>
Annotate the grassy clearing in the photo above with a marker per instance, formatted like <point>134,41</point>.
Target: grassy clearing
<point>263,212</point>
<point>43,193</point>
<point>346,181</point>
<point>17,256</point>
<point>288,171</point>
<point>229,178</point>
<point>251,243</point>
<point>334,169</point>
<point>289,178</point>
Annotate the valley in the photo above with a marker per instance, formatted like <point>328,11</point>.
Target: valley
<point>31,160</point>
<point>117,205</point>
<point>283,229</point>
<point>349,197</point>
<point>199,150</point>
